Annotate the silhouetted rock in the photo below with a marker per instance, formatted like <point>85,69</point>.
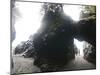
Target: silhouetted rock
<point>90,54</point>
<point>54,41</point>
<point>86,31</point>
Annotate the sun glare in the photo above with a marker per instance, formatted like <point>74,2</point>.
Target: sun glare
<point>29,22</point>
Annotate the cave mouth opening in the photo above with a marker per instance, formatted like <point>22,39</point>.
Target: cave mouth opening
<point>82,47</point>
<point>79,47</point>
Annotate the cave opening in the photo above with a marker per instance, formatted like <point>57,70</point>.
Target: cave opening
<point>79,46</point>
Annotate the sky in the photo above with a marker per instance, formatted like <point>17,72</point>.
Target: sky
<point>73,11</point>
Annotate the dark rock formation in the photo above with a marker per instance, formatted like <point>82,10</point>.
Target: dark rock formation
<point>54,41</point>
<point>86,31</point>
<point>90,54</point>
<point>24,47</point>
